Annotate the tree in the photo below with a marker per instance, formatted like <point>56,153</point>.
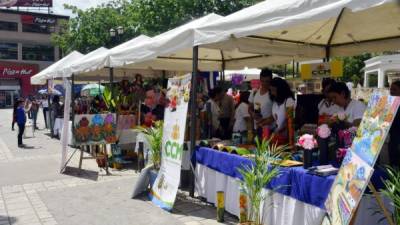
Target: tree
<point>90,29</point>
<point>352,67</point>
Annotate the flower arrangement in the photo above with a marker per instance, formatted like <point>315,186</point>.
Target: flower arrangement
<point>307,141</point>
<point>346,136</point>
<point>339,117</point>
<point>324,131</point>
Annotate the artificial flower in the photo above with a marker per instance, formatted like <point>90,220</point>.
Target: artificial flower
<point>324,131</point>
<point>307,141</point>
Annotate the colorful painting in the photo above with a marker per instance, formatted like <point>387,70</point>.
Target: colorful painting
<point>375,126</point>
<point>347,190</point>
<point>95,129</point>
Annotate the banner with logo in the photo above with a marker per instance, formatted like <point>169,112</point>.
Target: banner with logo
<point>165,187</point>
<point>327,69</point>
<point>41,20</point>
<point>26,3</point>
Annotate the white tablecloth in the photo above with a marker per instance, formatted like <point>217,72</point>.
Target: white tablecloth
<point>278,209</point>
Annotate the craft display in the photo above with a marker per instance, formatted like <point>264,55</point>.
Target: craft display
<point>94,129</point>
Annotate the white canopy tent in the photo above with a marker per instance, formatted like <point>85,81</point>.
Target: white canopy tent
<point>307,28</point>
<point>51,71</point>
<point>172,51</point>
<point>97,67</point>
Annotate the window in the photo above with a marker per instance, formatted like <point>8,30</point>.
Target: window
<point>8,50</point>
<point>38,28</point>
<point>9,26</point>
<point>37,52</point>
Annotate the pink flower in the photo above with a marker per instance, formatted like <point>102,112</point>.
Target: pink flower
<point>307,141</point>
<point>324,131</point>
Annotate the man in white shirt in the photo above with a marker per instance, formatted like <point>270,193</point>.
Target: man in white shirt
<point>260,107</point>
<point>212,118</point>
<point>45,105</point>
<point>353,109</point>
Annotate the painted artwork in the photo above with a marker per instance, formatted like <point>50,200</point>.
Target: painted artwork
<point>375,126</point>
<point>347,190</point>
<point>95,129</point>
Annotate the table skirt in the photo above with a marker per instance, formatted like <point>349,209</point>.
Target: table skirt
<point>278,209</point>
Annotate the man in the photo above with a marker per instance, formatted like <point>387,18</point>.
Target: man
<point>211,113</point>
<point>34,112</point>
<point>394,133</point>
<point>227,106</point>
<point>21,120</point>
<point>260,107</point>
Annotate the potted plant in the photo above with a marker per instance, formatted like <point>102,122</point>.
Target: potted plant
<point>258,175</point>
<point>392,191</point>
<point>154,135</point>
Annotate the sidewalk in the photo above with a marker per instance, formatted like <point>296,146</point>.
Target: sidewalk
<point>33,192</point>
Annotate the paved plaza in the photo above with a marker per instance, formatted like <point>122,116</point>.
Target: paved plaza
<point>33,192</point>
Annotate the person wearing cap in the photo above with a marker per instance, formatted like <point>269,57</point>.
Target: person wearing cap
<point>21,120</point>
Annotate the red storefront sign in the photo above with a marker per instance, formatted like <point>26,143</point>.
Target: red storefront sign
<point>22,72</point>
<point>29,19</point>
<point>26,3</point>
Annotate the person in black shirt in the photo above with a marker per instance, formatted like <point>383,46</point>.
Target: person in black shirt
<point>394,133</point>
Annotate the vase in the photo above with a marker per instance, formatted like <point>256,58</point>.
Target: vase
<point>307,158</point>
<point>323,146</point>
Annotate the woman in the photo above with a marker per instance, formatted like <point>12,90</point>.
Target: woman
<point>242,118</point>
<point>21,120</point>
<point>394,134</point>
<point>353,109</point>
<point>283,103</point>
<point>326,108</point>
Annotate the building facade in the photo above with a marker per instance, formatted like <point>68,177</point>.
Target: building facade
<point>25,49</point>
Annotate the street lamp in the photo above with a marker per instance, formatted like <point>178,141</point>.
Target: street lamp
<point>120,30</point>
<point>116,35</point>
<point>112,32</point>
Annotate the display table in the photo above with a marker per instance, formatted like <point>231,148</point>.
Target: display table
<point>298,197</point>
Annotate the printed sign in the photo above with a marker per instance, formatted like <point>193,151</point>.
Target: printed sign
<point>334,69</point>
<point>26,3</point>
<point>357,167</point>
<point>165,187</point>
<point>14,70</point>
<point>95,129</point>
<point>29,19</point>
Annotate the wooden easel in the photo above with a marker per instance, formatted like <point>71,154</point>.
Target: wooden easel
<point>380,203</point>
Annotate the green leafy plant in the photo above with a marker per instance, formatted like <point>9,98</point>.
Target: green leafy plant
<point>108,98</point>
<point>154,136</point>
<point>392,191</point>
<point>259,174</point>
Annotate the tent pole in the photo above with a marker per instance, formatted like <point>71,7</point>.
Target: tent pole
<point>223,67</point>
<point>112,84</point>
<point>193,112</point>
<point>73,99</point>
<point>328,46</point>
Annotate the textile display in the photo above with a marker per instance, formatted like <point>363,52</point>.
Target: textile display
<point>165,188</point>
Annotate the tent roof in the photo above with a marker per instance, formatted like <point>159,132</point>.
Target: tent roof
<point>100,61</point>
<point>49,72</point>
<point>172,51</point>
<point>307,28</point>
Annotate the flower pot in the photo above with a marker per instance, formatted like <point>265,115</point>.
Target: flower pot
<point>323,146</point>
<point>307,158</point>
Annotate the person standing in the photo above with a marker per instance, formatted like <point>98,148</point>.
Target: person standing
<point>14,119</point>
<point>54,112</point>
<point>45,106</point>
<point>260,107</point>
<point>243,121</point>
<point>21,120</point>
<point>211,113</point>
<point>283,102</point>
<point>227,106</point>
<point>34,112</point>
<point>394,133</point>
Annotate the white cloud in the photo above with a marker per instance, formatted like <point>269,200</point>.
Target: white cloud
<point>58,5</point>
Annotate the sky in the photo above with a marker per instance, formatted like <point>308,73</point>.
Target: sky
<point>58,7</point>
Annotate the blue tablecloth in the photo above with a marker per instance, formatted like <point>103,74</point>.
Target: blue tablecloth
<point>292,181</point>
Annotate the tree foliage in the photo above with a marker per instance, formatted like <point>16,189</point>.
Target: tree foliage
<point>89,29</point>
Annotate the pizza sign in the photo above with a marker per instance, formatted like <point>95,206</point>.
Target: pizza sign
<point>17,71</point>
<point>26,3</point>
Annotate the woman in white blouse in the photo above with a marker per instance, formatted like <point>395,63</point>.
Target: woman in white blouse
<point>283,101</point>
<point>353,109</point>
<point>326,107</point>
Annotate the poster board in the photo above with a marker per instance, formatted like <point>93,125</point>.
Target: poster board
<point>165,188</point>
<point>95,129</point>
<point>357,167</point>
<point>325,69</point>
